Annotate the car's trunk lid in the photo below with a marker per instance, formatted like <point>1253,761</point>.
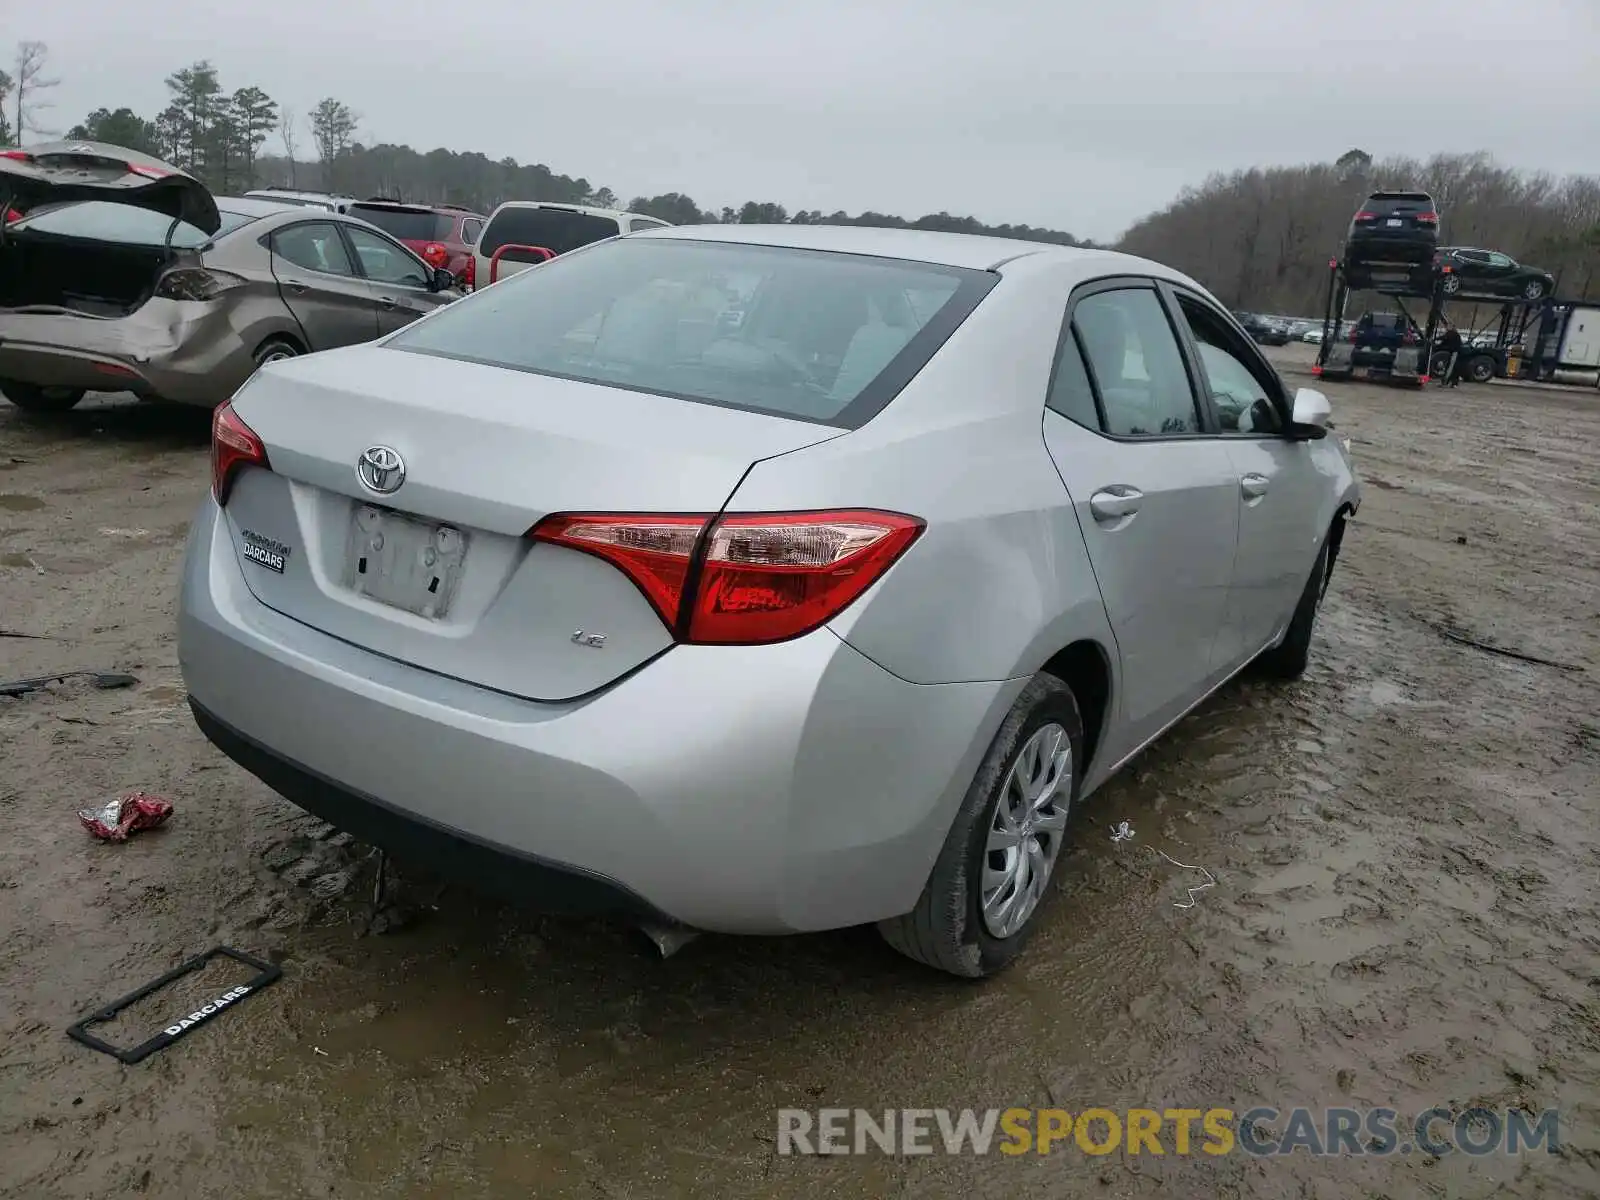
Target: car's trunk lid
<point>79,170</point>
<point>439,573</point>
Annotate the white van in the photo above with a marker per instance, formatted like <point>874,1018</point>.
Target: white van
<point>305,199</point>
<point>554,227</point>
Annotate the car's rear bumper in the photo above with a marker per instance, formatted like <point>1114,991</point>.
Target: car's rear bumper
<point>184,352</point>
<point>1400,247</point>
<point>492,868</point>
<point>762,789</point>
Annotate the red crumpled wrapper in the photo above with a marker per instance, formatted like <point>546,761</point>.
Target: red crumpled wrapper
<point>125,815</point>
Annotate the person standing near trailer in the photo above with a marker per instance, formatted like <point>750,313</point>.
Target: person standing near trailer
<point>1450,343</point>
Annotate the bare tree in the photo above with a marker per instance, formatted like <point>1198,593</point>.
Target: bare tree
<point>289,134</point>
<point>28,80</point>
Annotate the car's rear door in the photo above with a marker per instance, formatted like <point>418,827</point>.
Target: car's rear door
<point>1278,493</point>
<point>1155,492</point>
<point>320,285</point>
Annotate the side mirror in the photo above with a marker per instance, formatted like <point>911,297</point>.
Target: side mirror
<point>443,281</point>
<point>1310,416</point>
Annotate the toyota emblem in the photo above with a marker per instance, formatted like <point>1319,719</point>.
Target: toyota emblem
<point>381,470</point>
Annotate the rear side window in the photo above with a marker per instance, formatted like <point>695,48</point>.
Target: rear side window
<point>556,229</point>
<point>1137,366</point>
<point>315,245</point>
<point>407,224</point>
<point>470,229</point>
<point>1071,393</point>
<point>815,336</point>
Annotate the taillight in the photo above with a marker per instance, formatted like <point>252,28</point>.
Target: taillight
<point>1352,335</point>
<point>1366,216</point>
<point>16,155</point>
<point>435,255</point>
<point>234,446</point>
<point>1427,218</point>
<point>469,271</point>
<point>741,578</point>
<point>196,283</point>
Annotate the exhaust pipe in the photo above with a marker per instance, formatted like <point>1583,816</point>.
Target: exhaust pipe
<point>669,939</point>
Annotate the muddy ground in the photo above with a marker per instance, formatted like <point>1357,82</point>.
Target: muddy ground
<point>1405,848</point>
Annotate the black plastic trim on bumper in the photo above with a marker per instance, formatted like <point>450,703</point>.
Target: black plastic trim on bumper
<point>483,866</point>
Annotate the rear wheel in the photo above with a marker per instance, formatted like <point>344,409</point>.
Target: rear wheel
<point>993,874</point>
<point>30,397</point>
<point>1452,284</point>
<point>276,350</point>
<point>1290,657</point>
<point>1480,369</point>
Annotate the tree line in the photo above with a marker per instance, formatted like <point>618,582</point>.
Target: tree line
<point>237,140</point>
<point>1262,239</point>
<point>1258,238</point>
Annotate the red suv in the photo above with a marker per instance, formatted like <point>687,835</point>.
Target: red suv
<point>443,234</point>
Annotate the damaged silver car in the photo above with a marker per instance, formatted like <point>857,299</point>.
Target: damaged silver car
<point>126,274</point>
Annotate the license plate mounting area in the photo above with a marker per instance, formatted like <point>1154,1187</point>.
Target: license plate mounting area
<point>405,563</point>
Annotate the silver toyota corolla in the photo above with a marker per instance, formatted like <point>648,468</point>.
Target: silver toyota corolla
<point>827,615</point>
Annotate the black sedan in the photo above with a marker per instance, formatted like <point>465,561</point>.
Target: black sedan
<point>1473,272</point>
<point>1264,330</point>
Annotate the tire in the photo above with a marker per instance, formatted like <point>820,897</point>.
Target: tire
<point>947,929</point>
<point>276,350</point>
<point>1533,290</point>
<point>1479,369</point>
<point>1452,284</point>
<point>1289,658</point>
<point>30,397</point>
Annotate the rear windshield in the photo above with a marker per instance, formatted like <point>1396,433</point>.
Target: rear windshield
<point>104,221</point>
<point>1389,201</point>
<point>407,224</point>
<point>805,334</point>
<point>556,229</point>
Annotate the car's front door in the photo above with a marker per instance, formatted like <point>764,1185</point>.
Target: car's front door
<point>1155,494</point>
<point>398,278</point>
<point>1278,489</point>
<point>1502,270</point>
<point>320,285</point>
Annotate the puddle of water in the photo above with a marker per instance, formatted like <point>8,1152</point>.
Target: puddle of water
<point>18,502</point>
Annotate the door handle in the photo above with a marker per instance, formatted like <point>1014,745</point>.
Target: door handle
<point>1254,486</point>
<point>388,301</point>
<point>294,285</point>
<point>1115,502</point>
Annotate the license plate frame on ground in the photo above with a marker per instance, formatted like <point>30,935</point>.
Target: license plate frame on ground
<point>404,562</point>
<point>266,973</point>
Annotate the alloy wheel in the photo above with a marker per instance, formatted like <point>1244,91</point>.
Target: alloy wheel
<point>1025,836</point>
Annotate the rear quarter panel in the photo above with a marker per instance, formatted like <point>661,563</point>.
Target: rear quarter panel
<point>1000,579</point>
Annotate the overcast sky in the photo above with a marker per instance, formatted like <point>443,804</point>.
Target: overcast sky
<point>1074,114</point>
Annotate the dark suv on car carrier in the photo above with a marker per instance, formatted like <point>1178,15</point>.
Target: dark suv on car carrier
<point>1393,229</point>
